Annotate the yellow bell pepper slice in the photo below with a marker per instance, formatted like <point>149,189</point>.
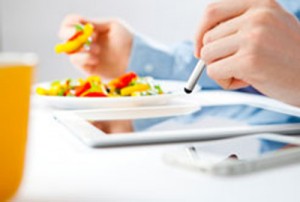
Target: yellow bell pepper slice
<point>136,88</point>
<point>94,78</point>
<point>41,91</point>
<point>135,94</point>
<point>76,43</point>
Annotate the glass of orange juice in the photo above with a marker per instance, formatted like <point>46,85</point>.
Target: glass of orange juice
<point>15,81</point>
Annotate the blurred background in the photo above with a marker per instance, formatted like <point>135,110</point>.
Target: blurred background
<point>32,25</point>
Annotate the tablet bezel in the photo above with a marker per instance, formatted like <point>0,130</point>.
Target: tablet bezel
<point>77,123</point>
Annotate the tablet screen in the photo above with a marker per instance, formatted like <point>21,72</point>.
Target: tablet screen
<point>206,117</point>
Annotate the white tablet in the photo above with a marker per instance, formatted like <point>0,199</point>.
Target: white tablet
<point>173,123</point>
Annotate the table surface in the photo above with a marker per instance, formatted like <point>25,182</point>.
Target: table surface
<point>60,168</point>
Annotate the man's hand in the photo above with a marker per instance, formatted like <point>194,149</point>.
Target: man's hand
<point>109,52</point>
<point>252,42</point>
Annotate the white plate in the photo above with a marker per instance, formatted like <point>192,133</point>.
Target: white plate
<point>172,109</point>
<point>174,87</point>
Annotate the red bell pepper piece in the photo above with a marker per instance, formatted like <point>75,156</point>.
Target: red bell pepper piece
<point>66,92</point>
<point>77,34</point>
<point>94,94</point>
<point>81,89</point>
<point>124,80</point>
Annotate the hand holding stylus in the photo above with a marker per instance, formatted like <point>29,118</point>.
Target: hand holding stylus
<point>252,42</point>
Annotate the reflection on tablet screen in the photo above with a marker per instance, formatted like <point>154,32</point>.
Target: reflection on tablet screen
<point>207,117</point>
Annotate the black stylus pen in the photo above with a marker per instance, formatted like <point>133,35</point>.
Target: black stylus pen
<point>191,83</point>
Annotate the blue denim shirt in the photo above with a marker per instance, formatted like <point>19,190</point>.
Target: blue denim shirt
<point>177,62</point>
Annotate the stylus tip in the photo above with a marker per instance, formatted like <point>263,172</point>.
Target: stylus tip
<point>188,91</point>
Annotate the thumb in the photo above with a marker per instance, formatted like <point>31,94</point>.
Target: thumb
<point>100,26</point>
<point>67,25</point>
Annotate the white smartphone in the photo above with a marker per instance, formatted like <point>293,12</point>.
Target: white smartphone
<point>238,155</point>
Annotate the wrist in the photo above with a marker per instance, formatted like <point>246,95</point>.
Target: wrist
<point>127,53</point>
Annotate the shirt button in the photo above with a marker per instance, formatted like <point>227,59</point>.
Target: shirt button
<point>148,68</point>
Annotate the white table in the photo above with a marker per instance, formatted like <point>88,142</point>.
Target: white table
<point>60,168</point>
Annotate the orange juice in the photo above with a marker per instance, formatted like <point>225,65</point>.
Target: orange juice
<point>15,80</point>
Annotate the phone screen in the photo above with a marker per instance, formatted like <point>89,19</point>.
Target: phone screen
<point>240,148</point>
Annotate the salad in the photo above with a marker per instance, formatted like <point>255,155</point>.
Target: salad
<point>129,84</point>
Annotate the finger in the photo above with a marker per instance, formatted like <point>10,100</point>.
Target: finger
<point>236,84</point>
<point>227,72</point>
<point>101,26</point>
<point>94,49</point>
<point>73,19</point>
<point>67,25</point>
<point>66,32</point>
<point>222,30</point>
<point>67,29</point>
<point>232,84</point>
<point>220,49</point>
<point>215,14</point>
<point>83,59</point>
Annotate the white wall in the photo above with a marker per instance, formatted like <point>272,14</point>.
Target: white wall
<point>1,13</point>
<point>32,25</point>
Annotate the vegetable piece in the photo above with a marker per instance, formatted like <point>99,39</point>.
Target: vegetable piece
<point>123,81</point>
<point>81,81</point>
<point>77,34</point>
<point>55,83</point>
<point>78,27</point>
<point>67,92</point>
<point>159,90</point>
<point>135,94</point>
<point>132,89</point>
<point>41,91</point>
<point>95,79</point>
<point>93,94</point>
<point>83,88</point>
<point>77,41</point>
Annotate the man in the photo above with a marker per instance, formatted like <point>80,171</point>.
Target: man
<point>250,45</point>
